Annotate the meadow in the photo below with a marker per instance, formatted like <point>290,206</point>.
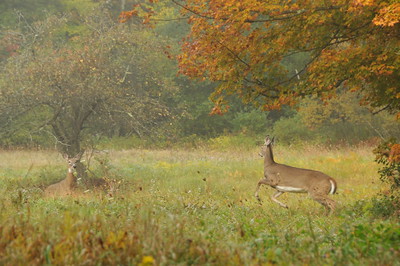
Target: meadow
<point>192,207</point>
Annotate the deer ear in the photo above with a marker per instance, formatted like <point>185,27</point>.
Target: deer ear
<point>267,141</point>
<point>79,155</point>
<point>273,140</point>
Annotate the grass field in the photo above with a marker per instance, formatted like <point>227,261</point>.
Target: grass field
<point>182,207</point>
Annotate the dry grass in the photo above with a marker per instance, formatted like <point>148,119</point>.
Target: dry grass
<point>191,207</point>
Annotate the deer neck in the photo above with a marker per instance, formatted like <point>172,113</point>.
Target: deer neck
<point>71,179</point>
<point>269,157</point>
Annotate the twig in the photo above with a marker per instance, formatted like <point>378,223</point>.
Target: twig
<point>382,109</point>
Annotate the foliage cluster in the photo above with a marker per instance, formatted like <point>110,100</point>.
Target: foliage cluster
<point>388,157</point>
<point>343,44</point>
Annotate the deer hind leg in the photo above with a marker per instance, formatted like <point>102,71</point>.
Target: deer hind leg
<point>274,198</point>
<point>328,203</point>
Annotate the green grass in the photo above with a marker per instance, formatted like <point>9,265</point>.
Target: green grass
<point>192,207</point>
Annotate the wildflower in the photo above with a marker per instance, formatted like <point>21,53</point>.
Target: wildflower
<point>147,260</point>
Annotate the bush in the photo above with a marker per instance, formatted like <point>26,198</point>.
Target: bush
<point>388,156</point>
<point>293,130</point>
<point>383,206</point>
<point>253,122</point>
<point>200,123</point>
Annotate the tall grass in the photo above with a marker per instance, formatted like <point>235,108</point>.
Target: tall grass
<point>192,207</point>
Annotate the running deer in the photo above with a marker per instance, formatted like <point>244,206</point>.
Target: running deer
<point>67,185</point>
<point>286,178</point>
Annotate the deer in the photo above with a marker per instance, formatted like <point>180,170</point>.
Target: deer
<point>286,178</point>
<point>66,186</point>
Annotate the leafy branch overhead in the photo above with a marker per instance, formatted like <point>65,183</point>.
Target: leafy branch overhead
<point>272,53</point>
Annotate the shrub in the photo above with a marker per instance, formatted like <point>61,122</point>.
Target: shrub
<point>388,156</point>
<point>293,130</point>
<point>254,122</point>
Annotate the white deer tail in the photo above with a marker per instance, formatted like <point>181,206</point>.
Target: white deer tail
<point>333,186</point>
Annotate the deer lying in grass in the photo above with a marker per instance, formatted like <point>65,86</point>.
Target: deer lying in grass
<point>67,185</point>
<point>286,178</point>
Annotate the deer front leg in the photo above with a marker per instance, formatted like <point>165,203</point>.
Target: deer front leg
<point>274,198</point>
<point>270,180</point>
<point>263,181</point>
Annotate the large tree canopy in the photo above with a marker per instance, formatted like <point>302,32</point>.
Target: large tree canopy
<point>271,53</point>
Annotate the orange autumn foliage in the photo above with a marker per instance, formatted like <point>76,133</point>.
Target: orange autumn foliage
<point>394,154</point>
<point>271,53</point>
<point>388,16</point>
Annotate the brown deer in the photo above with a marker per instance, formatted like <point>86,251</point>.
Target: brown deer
<point>66,186</point>
<point>286,178</point>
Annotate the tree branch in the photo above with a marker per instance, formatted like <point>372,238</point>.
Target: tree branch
<point>382,109</point>
<point>286,15</point>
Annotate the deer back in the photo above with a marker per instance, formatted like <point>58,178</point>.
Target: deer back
<point>58,189</point>
<point>306,179</point>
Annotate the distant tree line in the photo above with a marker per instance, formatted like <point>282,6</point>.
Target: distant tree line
<point>71,74</point>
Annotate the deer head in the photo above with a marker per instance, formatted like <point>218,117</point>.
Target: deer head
<point>72,161</point>
<point>266,145</point>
